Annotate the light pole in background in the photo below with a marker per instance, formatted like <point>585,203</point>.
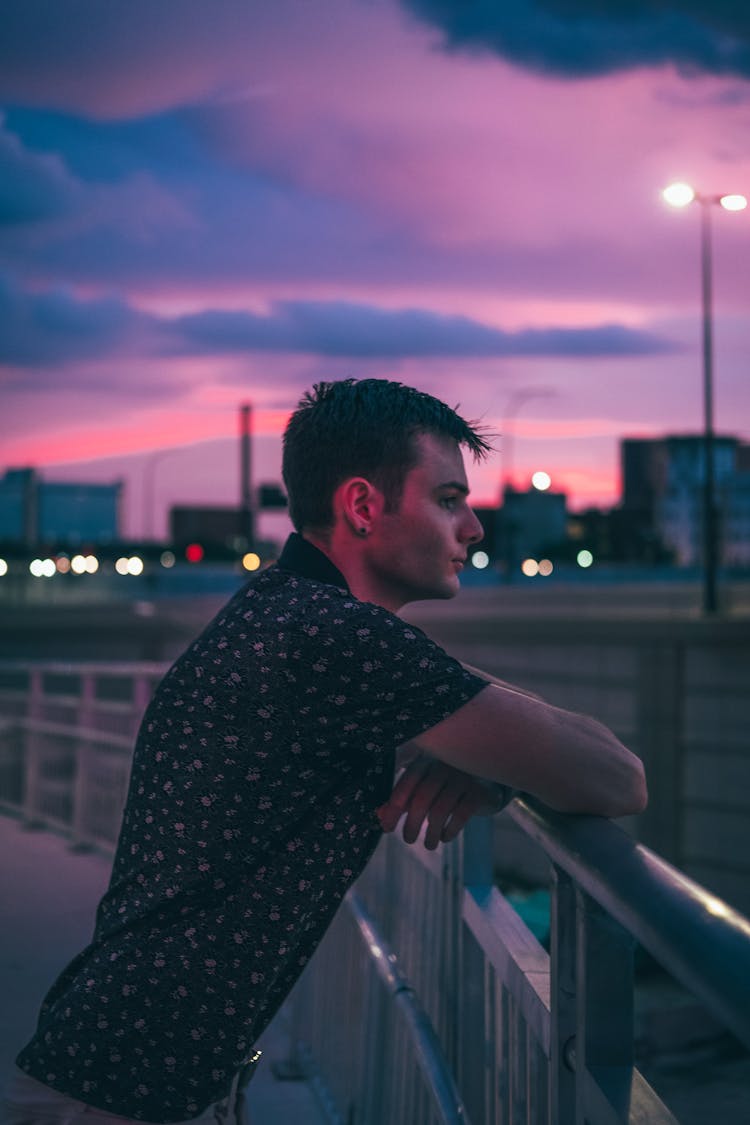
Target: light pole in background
<point>149,481</point>
<point>680,195</point>
<point>513,405</point>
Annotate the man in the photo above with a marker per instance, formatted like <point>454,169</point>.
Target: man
<point>263,771</point>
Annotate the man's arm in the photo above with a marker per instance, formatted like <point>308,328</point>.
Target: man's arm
<point>571,762</point>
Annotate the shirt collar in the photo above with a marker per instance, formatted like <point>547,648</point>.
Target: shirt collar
<point>302,558</point>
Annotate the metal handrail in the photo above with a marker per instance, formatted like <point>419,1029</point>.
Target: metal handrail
<point>429,1053</point>
<point>703,941</point>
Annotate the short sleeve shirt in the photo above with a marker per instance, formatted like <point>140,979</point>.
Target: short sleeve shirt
<point>257,771</point>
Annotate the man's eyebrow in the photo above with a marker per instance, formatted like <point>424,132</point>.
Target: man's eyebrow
<point>458,485</point>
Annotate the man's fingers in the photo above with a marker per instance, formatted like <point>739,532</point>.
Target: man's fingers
<point>422,802</point>
<point>431,792</point>
<point>394,808</point>
<point>440,813</point>
<point>461,815</point>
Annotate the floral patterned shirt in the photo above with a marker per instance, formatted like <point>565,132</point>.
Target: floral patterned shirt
<point>251,810</point>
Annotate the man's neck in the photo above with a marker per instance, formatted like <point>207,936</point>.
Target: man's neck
<point>349,556</point>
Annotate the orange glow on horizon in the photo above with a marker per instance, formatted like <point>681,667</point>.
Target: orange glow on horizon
<point>162,430</point>
<point>585,487</point>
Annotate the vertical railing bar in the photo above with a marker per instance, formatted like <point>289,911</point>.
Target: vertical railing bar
<point>83,761</point>
<point>490,1042</point>
<point>562,1079</point>
<point>505,1072</point>
<point>32,751</point>
<point>604,1037</point>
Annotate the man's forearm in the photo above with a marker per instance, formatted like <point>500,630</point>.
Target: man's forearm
<point>570,762</point>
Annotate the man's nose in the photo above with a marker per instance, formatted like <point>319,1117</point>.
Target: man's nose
<point>473,531</point>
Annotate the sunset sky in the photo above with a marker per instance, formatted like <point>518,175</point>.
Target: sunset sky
<point>207,202</point>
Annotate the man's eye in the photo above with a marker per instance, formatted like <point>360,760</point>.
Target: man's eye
<point>449,502</point>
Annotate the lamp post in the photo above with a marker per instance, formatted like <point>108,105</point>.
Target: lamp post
<point>513,405</point>
<point>680,195</point>
<point>149,479</point>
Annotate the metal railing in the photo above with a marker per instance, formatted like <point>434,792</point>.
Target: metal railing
<point>66,743</point>
<point>429,1001</point>
<point>528,1036</point>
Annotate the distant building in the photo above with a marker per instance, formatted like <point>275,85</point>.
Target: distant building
<point>532,523</point>
<point>34,511</point>
<point>210,525</point>
<point>18,506</point>
<point>663,481</point>
<point>736,530</point>
<point>644,481</point>
<point>488,517</point>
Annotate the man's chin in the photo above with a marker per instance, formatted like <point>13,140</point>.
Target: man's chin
<point>444,592</point>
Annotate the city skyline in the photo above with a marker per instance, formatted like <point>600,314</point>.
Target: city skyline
<point>234,206</point>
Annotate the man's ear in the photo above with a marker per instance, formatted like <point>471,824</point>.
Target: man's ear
<point>360,504</point>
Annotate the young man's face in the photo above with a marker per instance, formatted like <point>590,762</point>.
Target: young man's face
<point>418,551</point>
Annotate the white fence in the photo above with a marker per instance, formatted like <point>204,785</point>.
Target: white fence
<point>66,742</point>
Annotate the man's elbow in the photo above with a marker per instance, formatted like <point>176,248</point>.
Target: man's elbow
<point>633,796</point>
<point>641,790</point>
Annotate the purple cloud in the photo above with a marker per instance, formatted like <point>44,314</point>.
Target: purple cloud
<point>54,327</point>
<point>340,328</point>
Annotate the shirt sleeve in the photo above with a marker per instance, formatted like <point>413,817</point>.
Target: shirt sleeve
<point>377,681</point>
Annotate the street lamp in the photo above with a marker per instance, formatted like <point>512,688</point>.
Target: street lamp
<point>149,479</point>
<point>680,195</point>
<point>513,405</point>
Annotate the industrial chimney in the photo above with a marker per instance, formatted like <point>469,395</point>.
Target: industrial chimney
<point>247,510</point>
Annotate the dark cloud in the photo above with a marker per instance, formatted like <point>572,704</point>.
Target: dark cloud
<point>577,38</point>
<point>110,151</point>
<point>39,329</point>
<point>33,186</point>
<point>154,202</point>
<point>339,328</point>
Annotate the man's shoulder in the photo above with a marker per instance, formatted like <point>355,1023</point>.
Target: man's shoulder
<point>280,603</point>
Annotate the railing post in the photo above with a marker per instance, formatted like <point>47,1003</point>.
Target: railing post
<point>660,741</point>
<point>32,749</point>
<point>476,858</point>
<point>450,952</point>
<point>604,1039</point>
<point>563,999</point>
<point>83,760</point>
<point>475,1071</point>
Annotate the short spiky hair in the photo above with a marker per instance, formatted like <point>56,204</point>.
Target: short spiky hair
<point>363,428</point>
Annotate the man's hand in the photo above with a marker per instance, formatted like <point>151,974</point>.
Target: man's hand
<point>442,796</point>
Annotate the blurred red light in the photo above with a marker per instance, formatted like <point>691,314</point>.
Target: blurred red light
<point>194,552</point>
